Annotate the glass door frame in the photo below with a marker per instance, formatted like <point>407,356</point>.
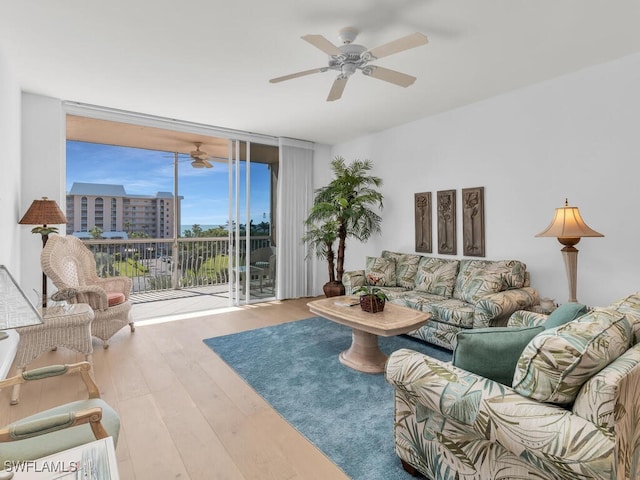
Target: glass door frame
<point>244,273</point>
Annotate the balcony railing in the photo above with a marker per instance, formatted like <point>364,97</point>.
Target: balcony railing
<point>156,264</point>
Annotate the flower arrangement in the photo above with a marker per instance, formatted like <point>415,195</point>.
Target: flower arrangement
<point>371,288</point>
<point>372,298</point>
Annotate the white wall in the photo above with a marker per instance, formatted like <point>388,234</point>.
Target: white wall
<point>571,137</point>
<point>43,174</point>
<point>10,206</point>
<point>575,136</point>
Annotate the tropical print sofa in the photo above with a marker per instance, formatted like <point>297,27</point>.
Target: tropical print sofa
<point>571,412</point>
<point>459,294</point>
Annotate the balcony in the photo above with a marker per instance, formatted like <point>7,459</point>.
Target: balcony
<point>197,281</point>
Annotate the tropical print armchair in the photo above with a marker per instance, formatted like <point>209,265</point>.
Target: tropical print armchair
<point>454,424</point>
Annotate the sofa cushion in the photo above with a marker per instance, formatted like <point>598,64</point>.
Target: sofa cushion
<point>406,267</point>
<point>564,314</point>
<point>393,293</point>
<point>492,352</point>
<point>382,269</point>
<point>455,312</point>
<point>475,280</point>
<point>630,306</point>
<point>557,362</point>
<point>437,276</point>
<point>513,272</point>
<point>390,254</point>
<point>415,299</point>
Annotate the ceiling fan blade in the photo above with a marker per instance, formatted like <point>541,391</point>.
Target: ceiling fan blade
<point>399,45</point>
<point>323,44</point>
<point>337,88</point>
<point>388,75</point>
<point>201,163</point>
<point>298,74</point>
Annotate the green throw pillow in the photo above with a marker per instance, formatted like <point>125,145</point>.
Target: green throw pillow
<point>564,314</point>
<point>493,352</point>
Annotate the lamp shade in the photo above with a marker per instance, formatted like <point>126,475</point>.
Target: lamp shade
<point>568,223</point>
<point>43,212</point>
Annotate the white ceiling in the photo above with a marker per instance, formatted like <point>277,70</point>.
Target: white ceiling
<point>210,62</point>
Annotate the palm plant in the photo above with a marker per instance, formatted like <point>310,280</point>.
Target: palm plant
<point>320,239</point>
<point>348,203</point>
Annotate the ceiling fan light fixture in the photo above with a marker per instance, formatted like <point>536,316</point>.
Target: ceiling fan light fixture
<point>348,69</point>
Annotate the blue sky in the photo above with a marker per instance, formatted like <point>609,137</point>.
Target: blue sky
<point>144,172</point>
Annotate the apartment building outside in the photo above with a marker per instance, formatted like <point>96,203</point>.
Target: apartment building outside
<point>119,214</point>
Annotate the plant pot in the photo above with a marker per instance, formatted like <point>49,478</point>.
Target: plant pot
<point>371,303</point>
<point>333,289</point>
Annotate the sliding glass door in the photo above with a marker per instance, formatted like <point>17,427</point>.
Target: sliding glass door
<point>253,174</point>
<point>203,230</point>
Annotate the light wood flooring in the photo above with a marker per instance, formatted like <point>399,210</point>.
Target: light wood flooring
<point>185,414</point>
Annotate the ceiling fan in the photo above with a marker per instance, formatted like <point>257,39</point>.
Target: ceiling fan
<point>199,157</point>
<point>350,57</point>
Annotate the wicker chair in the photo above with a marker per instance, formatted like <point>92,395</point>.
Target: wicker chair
<point>71,267</point>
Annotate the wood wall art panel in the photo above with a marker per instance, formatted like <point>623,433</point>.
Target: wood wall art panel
<point>473,221</point>
<point>447,222</point>
<point>422,206</point>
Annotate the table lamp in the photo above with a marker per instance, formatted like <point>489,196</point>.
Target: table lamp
<point>42,213</point>
<point>15,308</point>
<point>568,227</point>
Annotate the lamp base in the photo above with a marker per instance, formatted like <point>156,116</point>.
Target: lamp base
<point>570,256</point>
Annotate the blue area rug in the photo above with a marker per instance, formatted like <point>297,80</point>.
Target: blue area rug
<point>346,414</point>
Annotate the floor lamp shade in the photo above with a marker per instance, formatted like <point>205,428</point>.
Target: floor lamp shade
<point>569,227</point>
<point>43,212</point>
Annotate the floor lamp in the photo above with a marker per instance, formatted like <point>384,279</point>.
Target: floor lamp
<point>568,227</point>
<point>42,213</point>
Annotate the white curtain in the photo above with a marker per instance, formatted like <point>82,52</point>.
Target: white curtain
<point>295,198</point>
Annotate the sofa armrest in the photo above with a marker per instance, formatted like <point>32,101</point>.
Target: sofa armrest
<point>527,428</point>
<point>526,318</point>
<point>352,280</point>
<point>431,382</point>
<point>495,309</point>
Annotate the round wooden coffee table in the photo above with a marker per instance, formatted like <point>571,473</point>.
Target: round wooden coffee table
<point>364,354</point>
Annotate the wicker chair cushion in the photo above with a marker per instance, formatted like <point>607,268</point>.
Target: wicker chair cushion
<point>115,298</point>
